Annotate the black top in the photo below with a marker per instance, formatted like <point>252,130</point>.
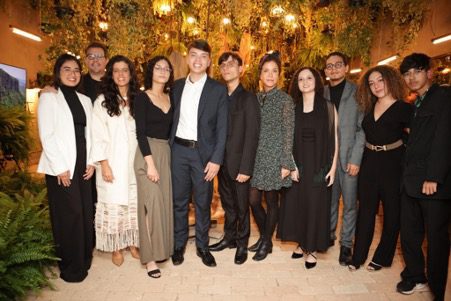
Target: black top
<point>76,108</point>
<point>151,122</point>
<point>336,92</point>
<point>390,126</point>
<point>90,87</point>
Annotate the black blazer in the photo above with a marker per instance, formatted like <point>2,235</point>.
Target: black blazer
<point>211,119</point>
<point>242,133</point>
<point>428,152</point>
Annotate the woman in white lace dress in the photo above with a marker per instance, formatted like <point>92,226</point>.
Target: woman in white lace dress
<point>114,147</point>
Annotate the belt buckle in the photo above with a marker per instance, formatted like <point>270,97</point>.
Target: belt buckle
<point>379,148</point>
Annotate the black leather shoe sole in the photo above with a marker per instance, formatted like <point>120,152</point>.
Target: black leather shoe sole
<point>297,255</point>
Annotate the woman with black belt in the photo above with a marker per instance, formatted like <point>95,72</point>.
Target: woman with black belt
<point>64,121</point>
<point>380,95</point>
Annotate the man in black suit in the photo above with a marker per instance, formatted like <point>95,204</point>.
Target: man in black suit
<point>197,141</point>
<point>426,183</point>
<point>241,146</point>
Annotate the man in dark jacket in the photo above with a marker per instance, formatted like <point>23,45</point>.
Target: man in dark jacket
<point>241,147</point>
<point>426,182</point>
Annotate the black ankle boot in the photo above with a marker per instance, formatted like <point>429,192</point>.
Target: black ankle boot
<point>263,251</point>
<point>256,246</point>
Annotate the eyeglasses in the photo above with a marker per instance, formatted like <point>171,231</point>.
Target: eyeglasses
<point>225,65</point>
<point>412,72</point>
<point>93,57</point>
<point>162,69</point>
<point>337,65</point>
<point>70,70</point>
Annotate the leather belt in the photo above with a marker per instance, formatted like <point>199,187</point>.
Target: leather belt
<point>185,142</point>
<point>387,147</point>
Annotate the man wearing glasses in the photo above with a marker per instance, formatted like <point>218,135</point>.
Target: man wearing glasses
<point>351,143</point>
<point>426,182</point>
<point>239,157</point>
<point>96,60</point>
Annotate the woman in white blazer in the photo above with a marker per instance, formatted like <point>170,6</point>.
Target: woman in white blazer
<point>113,151</point>
<point>64,121</point>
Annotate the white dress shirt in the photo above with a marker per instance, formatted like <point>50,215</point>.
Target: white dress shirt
<point>187,127</point>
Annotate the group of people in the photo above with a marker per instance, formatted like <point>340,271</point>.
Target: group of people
<point>300,152</point>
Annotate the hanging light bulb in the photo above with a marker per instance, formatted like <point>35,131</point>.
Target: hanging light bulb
<point>190,20</point>
<point>226,21</point>
<point>162,7</point>
<point>277,11</point>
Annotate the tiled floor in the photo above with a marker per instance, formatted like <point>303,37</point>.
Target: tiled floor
<point>277,278</point>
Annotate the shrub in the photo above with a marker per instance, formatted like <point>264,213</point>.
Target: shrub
<point>26,244</point>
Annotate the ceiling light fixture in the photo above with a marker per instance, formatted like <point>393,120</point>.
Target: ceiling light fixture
<point>25,34</point>
<point>388,60</point>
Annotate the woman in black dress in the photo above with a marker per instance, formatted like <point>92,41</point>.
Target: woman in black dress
<point>305,208</point>
<point>387,117</point>
<point>64,120</point>
<point>153,116</point>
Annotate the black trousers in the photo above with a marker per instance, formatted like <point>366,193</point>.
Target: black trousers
<point>430,217</point>
<point>235,202</point>
<point>370,194</point>
<point>187,179</point>
<point>72,218</point>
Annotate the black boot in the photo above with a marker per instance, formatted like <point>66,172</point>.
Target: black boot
<point>263,251</point>
<point>256,246</point>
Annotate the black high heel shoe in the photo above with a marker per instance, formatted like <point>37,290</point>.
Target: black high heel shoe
<point>256,246</point>
<point>263,251</point>
<point>310,265</point>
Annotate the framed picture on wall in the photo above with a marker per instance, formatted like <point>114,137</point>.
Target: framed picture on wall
<point>13,82</point>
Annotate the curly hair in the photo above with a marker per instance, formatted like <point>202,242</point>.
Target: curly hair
<point>294,91</point>
<point>394,84</point>
<point>148,76</point>
<point>111,91</point>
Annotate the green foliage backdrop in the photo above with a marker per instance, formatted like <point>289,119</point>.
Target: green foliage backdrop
<point>137,30</point>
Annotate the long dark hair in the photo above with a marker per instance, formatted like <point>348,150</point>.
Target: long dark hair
<point>57,68</point>
<point>110,90</point>
<point>148,76</point>
<point>296,94</point>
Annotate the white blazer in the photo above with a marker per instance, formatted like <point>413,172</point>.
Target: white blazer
<point>57,133</point>
<point>114,139</point>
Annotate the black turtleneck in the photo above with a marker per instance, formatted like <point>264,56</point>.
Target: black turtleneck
<point>76,108</point>
<point>336,92</point>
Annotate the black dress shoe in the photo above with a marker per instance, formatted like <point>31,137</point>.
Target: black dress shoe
<point>256,246</point>
<point>177,257</point>
<point>206,256</point>
<point>263,251</point>
<point>221,245</point>
<point>345,257</point>
<point>241,255</point>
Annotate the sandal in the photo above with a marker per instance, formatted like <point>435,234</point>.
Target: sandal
<point>154,273</point>
<point>297,255</point>
<point>373,267</point>
<point>353,267</point>
<point>310,265</point>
